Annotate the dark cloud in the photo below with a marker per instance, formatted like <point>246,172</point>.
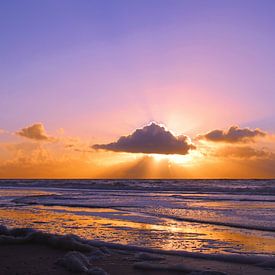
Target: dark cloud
<point>234,134</point>
<point>151,139</point>
<point>36,132</point>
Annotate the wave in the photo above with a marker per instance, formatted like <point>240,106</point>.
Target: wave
<point>36,200</point>
<point>234,199</point>
<point>250,187</point>
<point>119,207</point>
<point>227,224</point>
<point>28,201</point>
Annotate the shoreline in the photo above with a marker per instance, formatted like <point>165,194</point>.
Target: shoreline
<point>22,244</point>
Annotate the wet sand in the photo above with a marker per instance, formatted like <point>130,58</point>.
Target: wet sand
<point>27,258</point>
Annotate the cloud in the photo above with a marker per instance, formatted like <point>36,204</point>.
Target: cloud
<point>151,139</point>
<point>36,132</point>
<point>44,160</point>
<point>2,131</point>
<point>245,152</point>
<point>234,134</point>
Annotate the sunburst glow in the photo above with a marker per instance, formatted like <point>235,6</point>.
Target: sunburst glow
<point>177,159</point>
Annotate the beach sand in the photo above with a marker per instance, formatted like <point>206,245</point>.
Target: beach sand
<point>42,259</point>
<point>27,251</point>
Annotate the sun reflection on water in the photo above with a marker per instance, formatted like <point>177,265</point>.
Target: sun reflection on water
<point>110,225</point>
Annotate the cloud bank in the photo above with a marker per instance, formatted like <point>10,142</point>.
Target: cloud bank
<point>151,139</point>
<point>245,152</point>
<point>234,134</point>
<point>35,132</point>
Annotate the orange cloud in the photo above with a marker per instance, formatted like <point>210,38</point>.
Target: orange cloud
<point>151,139</point>
<point>35,132</point>
<point>245,152</point>
<point>234,134</point>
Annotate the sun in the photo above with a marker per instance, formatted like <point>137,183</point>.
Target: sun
<point>177,159</point>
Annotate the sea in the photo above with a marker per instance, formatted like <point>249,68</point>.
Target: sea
<point>202,216</point>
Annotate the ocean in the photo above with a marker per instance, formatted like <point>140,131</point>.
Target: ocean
<point>202,216</point>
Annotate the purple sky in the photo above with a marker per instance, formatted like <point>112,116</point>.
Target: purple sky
<point>83,64</point>
<point>78,73</point>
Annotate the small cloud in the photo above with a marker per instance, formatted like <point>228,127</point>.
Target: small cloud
<point>69,145</point>
<point>151,139</point>
<point>234,134</point>
<point>35,132</point>
<point>4,132</point>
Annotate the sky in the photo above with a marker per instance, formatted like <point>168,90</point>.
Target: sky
<point>194,78</point>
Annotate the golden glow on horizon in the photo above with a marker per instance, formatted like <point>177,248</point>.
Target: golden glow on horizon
<point>177,159</point>
<point>70,157</point>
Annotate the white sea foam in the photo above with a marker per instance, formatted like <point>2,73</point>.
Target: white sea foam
<point>77,262</point>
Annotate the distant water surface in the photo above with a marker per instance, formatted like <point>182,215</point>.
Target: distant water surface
<point>206,216</point>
